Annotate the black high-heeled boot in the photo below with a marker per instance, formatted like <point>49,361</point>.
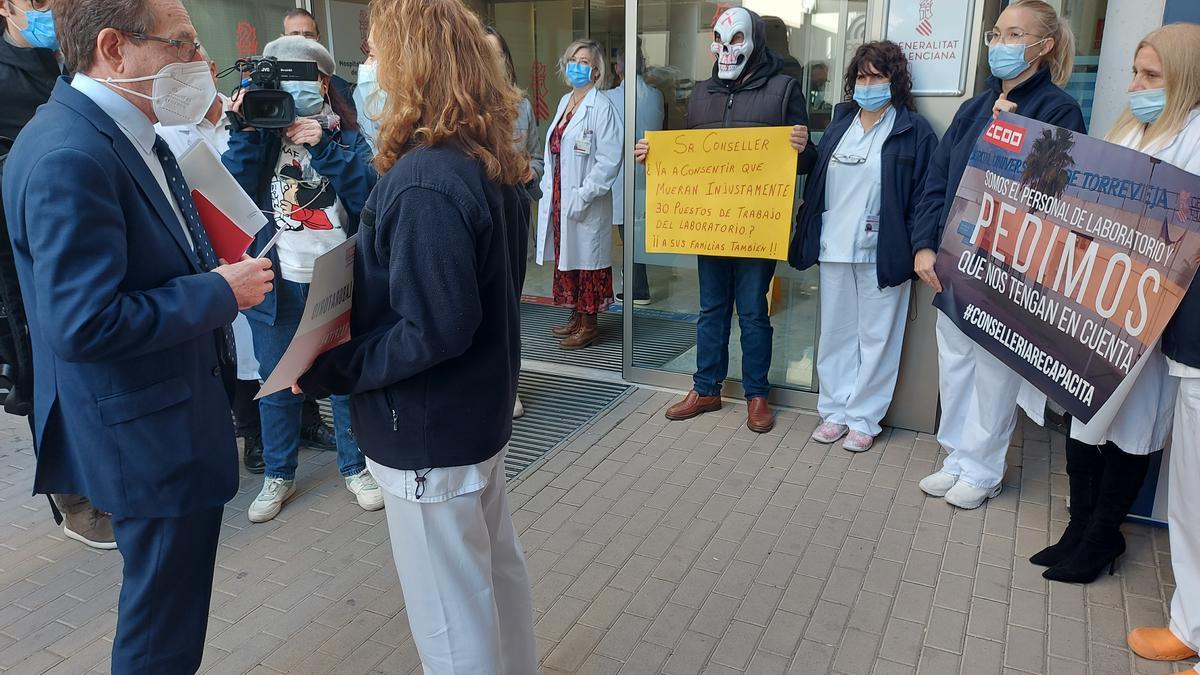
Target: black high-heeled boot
<point>1103,542</point>
<point>1085,464</point>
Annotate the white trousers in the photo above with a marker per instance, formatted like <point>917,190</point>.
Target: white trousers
<point>466,589</point>
<point>979,407</point>
<point>1183,503</point>
<point>862,332</point>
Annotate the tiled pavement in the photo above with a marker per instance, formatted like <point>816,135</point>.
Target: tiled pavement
<point>654,546</point>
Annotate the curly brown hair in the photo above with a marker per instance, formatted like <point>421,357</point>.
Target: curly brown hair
<point>887,58</point>
<point>444,84</point>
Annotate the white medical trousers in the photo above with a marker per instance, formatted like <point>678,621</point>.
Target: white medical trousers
<point>979,407</point>
<point>1183,505</point>
<point>466,589</point>
<point>862,332</point>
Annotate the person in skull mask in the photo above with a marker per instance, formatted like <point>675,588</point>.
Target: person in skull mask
<point>747,89</point>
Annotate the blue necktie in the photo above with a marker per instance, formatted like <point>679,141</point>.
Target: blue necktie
<point>200,243</point>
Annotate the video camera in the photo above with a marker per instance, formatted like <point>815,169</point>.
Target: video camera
<point>265,105</point>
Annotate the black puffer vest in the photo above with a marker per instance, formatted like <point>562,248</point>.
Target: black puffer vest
<point>759,102</point>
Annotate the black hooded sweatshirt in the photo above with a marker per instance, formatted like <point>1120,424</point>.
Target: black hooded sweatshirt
<point>27,77</point>
<point>762,97</point>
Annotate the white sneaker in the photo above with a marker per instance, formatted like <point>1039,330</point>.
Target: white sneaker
<point>938,484</point>
<point>364,487</point>
<point>828,432</point>
<point>967,497</point>
<point>268,503</point>
<point>518,409</point>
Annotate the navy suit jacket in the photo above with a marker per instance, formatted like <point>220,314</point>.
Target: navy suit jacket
<point>129,404</point>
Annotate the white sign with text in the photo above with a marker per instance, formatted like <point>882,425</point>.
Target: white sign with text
<point>933,35</point>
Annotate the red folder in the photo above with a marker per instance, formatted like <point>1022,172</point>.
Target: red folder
<point>228,240</point>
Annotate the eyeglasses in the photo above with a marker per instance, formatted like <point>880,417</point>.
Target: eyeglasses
<point>36,5</point>
<point>849,160</point>
<point>1011,37</point>
<point>311,35</point>
<point>185,50</point>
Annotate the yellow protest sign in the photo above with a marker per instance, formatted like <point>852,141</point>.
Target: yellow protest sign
<point>723,192</point>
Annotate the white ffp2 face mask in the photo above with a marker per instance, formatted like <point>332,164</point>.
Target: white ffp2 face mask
<point>182,94</point>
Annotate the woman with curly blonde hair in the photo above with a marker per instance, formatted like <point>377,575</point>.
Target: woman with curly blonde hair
<point>432,366</point>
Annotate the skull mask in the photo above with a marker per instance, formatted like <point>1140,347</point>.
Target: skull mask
<point>732,58</point>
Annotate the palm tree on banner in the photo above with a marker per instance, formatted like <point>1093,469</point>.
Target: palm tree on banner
<point>1046,168</point>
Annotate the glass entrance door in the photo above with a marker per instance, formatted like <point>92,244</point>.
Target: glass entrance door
<point>815,38</point>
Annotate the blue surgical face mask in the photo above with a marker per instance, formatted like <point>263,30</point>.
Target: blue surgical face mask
<point>366,73</point>
<point>39,29</point>
<point>1147,104</point>
<point>1008,61</point>
<point>872,97</point>
<point>579,75</point>
<point>307,96</point>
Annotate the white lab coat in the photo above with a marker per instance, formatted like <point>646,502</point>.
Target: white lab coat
<point>1141,424</point>
<point>587,180</point>
<point>648,117</point>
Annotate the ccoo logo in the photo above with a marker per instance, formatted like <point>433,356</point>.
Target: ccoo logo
<point>1004,135</point>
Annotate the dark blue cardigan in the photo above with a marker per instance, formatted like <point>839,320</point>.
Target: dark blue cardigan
<point>906,154</point>
<point>342,156</point>
<point>432,367</point>
<point>1037,98</point>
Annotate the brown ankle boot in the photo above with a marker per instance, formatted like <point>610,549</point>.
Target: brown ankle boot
<point>586,334</point>
<point>569,327</point>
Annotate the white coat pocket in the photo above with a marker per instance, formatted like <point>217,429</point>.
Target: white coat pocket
<point>573,206</point>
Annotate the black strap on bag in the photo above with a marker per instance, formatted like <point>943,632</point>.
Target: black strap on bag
<point>16,353</point>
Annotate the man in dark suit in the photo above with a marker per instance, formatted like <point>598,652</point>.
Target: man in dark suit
<point>129,315</point>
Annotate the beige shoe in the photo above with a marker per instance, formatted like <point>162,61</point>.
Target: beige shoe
<point>91,528</point>
<point>1158,644</point>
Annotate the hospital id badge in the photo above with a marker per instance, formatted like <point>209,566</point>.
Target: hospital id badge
<point>872,223</point>
<point>583,144</point>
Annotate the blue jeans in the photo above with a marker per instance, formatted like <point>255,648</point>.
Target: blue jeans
<point>281,412</point>
<point>725,282</point>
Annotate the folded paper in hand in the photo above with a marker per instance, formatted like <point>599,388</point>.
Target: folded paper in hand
<point>326,320</point>
<point>229,215</point>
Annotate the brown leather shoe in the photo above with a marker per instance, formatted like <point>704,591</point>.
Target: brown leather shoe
<point>759,417</point>
<point>567,329</point>
<point>693,404</point>
<point>1158,644</point>
<point>586,334</point>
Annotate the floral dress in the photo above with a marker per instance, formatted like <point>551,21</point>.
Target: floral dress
<point>588,291</point>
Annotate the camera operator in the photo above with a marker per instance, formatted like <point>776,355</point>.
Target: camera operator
<point>314,176</point>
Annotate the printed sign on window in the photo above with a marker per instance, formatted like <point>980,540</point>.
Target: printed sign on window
<point>933,35</point>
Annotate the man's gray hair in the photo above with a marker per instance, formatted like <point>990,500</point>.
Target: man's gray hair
<point>79,23</point>
<point>596,55</point>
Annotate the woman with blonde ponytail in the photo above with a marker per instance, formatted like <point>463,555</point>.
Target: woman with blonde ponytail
<point>1163,119</point>
<point>1030,54</point>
